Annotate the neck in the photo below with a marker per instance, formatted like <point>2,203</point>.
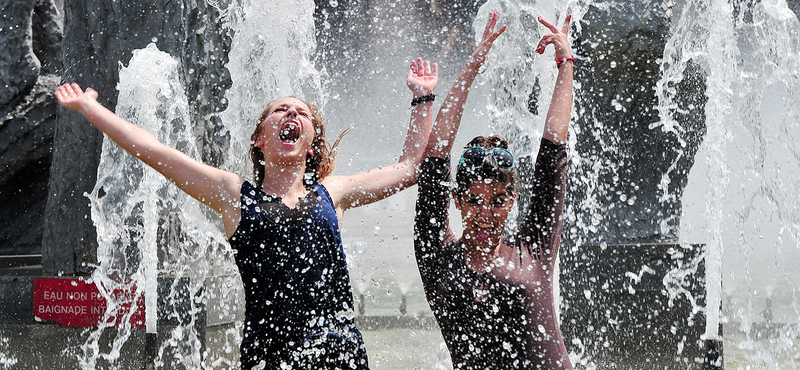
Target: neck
<point>479,258</point>
<point>285,182</point>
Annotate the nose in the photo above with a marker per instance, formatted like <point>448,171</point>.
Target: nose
<point>485,211</point>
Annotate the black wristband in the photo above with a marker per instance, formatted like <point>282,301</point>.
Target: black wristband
<point>422,99</point>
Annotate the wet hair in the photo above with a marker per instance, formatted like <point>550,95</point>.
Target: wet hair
<point>466,175</point>
<point>318,166</point>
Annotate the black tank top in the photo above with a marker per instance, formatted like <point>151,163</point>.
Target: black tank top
<point>298,300</point>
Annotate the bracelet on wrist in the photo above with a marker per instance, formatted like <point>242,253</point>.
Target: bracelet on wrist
<point>422,99</point>
<point>558,63</point>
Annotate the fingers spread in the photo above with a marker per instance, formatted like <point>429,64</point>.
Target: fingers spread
<point>487,32</point>
<point>499,32</point>
<point>546,40</point>
<point>549,25</point>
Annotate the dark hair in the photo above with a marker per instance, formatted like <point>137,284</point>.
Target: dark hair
<point>318,166</point>
<point>466,175</point>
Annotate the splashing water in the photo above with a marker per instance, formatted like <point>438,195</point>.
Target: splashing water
<point>146,226</point>
<point>6,361</point>
<point>270,58</point>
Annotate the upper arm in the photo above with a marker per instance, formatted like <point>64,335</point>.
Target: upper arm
<point>541,220</point>
<point>431,220</point>
<point>370,186</point>
<point>211,186</point>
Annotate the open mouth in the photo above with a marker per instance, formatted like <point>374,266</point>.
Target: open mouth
<point>289,133</point>
<point>483,225</point>
<point>483,231</point>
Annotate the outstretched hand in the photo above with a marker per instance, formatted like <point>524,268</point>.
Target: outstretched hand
<point>421,78</point>
<point>72,97</point>
<point>558,38</point>
<point>489,35</point>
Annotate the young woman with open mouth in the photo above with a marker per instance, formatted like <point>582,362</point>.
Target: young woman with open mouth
<point>285,224</point>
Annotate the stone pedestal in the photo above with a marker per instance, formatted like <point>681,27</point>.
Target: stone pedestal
<point>637,306</point>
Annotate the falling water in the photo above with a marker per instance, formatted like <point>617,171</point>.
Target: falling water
<point>270,58</point>
<point>741,198</point>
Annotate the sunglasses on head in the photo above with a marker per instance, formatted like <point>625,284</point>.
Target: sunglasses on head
<point>476,155</point>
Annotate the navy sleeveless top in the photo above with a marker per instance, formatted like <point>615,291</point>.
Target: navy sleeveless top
<point>298,300</point>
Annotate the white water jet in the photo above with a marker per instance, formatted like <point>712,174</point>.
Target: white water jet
<point>137,211</point>
<point>741,196</point>
<point>270,58</point>
<point>696,36</point>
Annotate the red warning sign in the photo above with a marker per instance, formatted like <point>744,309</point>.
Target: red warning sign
<point>75,303</point>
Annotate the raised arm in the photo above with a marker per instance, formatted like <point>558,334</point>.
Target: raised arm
<point>376,184</point>
<point>558,116</point>
<point>213,187</point>
<point>540,228</point>
<point>449,118</point>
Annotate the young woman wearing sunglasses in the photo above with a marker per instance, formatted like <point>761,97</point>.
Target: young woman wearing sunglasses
<point>493,296</point>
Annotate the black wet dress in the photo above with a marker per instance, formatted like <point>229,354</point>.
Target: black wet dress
<point>505,318</point>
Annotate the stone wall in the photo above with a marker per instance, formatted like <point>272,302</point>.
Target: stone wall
<point>29,66</point>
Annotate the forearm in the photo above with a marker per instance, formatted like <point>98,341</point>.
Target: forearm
<point>448,120</point>
<point>134,139</point>
<point>558,116</point>
<point>419,129</point>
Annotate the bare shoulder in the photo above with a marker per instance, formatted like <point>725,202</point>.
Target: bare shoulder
<point>336,185</point>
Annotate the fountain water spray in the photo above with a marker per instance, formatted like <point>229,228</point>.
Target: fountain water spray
<point>741,196</point>
<point>138,212</point>
<point>270,58</point>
